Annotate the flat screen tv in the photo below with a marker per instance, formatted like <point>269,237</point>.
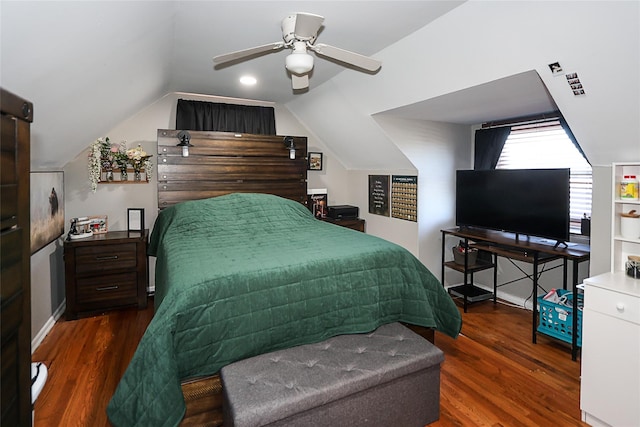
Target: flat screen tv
<point>530,202</point>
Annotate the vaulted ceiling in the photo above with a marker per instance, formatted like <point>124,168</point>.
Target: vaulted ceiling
<point>89,65</point>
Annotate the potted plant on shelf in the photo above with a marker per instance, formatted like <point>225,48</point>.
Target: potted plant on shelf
<point>139,159</point>
<point>102,157</point>
<point>105,156</point>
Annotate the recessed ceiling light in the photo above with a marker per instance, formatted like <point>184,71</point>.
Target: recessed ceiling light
<point>248,80</point>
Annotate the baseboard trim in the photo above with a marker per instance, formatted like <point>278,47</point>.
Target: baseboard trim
<point>46,328</point>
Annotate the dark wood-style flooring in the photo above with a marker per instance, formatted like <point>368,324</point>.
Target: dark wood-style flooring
<point>492,374</point>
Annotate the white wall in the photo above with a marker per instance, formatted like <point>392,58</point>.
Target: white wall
<point>333,174</point>
<point>47,288</point>
<point>437,150</point>
<point>403,233</point>
<point>601,220</point>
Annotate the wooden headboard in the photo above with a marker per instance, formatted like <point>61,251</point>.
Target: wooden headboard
<point>224,162</point>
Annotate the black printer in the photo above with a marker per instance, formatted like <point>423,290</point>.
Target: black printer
<point>343,212</point>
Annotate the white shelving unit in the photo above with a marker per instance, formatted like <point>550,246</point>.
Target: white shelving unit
<point>609,387</point>
<point>621,247</point>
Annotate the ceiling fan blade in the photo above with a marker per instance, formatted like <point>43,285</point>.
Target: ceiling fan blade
<point>346,56</point>
<point>307,25</point>
<point>248,52</point>
<point>299,82</point>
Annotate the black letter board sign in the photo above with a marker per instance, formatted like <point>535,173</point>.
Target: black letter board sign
<point>379,194</point>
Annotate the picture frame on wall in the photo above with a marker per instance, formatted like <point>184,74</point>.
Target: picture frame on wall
<point>135,219</point>
<point>315,161</point>
<point>46,208</point>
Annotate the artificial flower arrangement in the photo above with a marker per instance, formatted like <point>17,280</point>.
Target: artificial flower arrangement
<point>139,159</point>
<point>106,156</point>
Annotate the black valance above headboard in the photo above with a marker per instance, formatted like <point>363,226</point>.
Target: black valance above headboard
<point>213,116</point>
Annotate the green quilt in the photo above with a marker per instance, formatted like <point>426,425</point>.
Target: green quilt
<point>244,274</point>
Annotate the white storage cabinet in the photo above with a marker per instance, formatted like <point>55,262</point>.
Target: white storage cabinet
<point>610,385</point>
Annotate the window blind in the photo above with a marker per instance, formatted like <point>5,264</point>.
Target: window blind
<point>546,145</point>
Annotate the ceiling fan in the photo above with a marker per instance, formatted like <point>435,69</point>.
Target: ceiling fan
<point>299,32</point>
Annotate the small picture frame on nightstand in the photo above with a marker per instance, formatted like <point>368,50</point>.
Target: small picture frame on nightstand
<point>135,219</point>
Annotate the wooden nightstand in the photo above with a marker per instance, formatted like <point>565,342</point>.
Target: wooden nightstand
<point>354,224</point>
<point>106,271</point>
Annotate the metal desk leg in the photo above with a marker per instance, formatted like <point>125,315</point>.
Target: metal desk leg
<point>466,269</point>
<point>534,297</point>
<point>564,272</point>
<point>495,278</point>
<point>442,263</point>
<point>574,337</point>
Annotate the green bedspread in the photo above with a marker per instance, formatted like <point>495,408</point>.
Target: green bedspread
<point>244,274</point>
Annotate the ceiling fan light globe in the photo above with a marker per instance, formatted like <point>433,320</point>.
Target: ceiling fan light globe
<point>299,63</point>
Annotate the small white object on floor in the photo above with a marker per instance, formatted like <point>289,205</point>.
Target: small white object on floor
<point>38,378</point>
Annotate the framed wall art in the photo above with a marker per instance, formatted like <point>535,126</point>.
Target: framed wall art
<point>47,208</point>
<point>315,161</point>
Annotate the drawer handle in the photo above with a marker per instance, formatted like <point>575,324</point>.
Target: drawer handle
<point>620,307</point>
<point>107,288</point>
<point>106,258</point>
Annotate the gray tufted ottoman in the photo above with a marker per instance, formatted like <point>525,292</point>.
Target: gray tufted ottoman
<point>390,377</point>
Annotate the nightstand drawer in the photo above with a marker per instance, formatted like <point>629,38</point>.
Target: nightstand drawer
<point>102,258</point>
<point>106,288</point>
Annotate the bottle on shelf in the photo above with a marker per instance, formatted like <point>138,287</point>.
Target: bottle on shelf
<point>629,188</point>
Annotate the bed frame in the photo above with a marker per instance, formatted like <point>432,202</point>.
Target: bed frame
<point>220,163</point>
<point>223,162</point>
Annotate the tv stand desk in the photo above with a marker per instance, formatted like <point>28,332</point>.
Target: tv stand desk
<point>527,249</point>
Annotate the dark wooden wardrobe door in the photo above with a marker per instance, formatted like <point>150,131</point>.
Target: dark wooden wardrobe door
<point>15,261</point>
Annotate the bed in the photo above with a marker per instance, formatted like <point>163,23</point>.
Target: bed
<point>244,274</point>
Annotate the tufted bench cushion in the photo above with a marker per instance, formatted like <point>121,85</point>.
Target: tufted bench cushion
<point>390,377</point>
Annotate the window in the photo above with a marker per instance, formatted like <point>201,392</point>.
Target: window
<point>546,145</point>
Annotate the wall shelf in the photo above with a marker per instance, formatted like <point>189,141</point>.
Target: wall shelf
<point>144,181</point>
<point>130,180</point>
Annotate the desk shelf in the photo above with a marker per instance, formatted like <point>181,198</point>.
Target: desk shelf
<point>468,291</point>
<point>478,266</point>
